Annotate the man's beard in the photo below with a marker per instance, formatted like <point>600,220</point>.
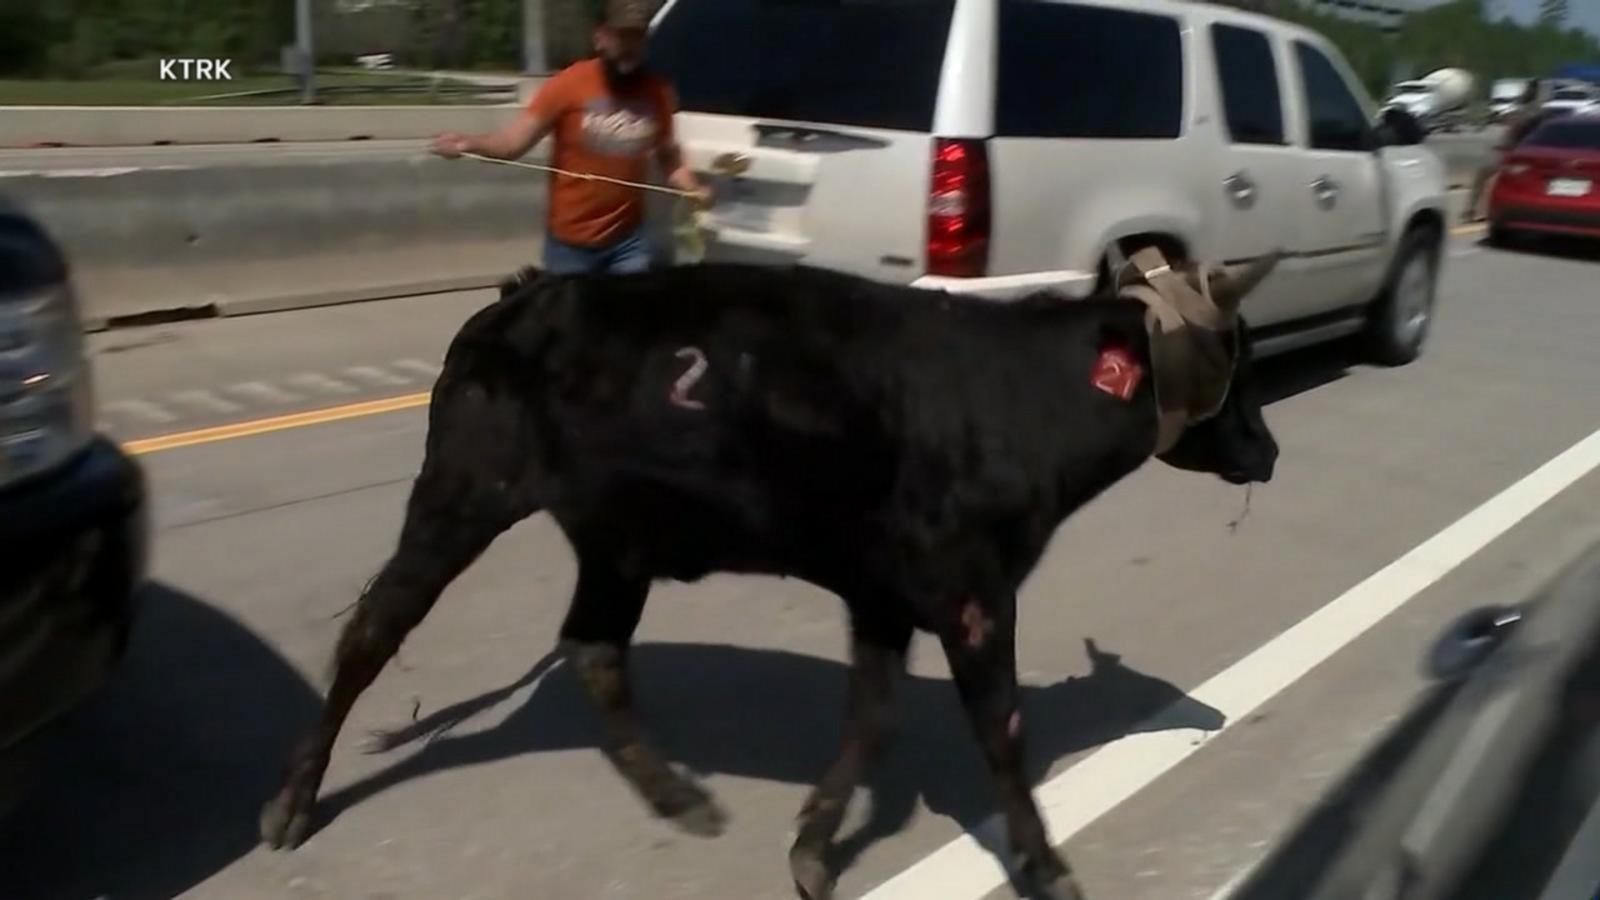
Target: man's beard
<point>617,78</point>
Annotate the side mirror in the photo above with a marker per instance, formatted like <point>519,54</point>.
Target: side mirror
<point>1398,128</point>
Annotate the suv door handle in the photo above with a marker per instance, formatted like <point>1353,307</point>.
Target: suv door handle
<point>1326,191</point>
<point>1240,188</point>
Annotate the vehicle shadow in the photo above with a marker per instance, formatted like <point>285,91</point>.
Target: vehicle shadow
<point>1555,247</point>
<point>154,785</point>
<point>1287,375</point>
<point>777,716</point>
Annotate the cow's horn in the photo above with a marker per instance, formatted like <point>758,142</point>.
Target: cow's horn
<point>1233,285</point>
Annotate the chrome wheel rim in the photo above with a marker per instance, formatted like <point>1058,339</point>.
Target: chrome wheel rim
<point>1413,297</point>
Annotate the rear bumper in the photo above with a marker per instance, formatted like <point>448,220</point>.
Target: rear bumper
<point>76,549</point>
<point>1072,282</point>
<point>1554,220</point>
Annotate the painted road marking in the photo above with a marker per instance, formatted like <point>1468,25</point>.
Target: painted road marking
<point>427,370</point>
<point>206,401</point>
<point>1080,795</point>
<point>374,375</point>
<point>276,423</point>
<point>316,382</point>
<point>142,409</point>
<point>262,392</point>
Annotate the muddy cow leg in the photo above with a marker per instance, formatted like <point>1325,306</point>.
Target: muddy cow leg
<point>595,636</point>
<point>478,478</point>
<point>878,655</point>
<point>436,544</point>
<point>980,643</point>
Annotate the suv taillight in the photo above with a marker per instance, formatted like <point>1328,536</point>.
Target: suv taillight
<point>958,209</point>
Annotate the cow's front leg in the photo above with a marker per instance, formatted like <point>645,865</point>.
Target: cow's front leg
<point>979,639</point>
<point>595,636</point>
<point>878,657</point>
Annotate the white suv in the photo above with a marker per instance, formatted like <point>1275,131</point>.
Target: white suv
<point>1002,146</point>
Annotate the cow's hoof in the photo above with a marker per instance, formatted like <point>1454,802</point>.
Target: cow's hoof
<point>690,808</point>
<point>704,820</point>
<point>286,819</point>
<point>812,880</point>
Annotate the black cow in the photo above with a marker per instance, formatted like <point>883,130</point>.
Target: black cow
<point>909,450</point>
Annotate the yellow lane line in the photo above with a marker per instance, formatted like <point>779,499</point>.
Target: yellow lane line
<point>275,423</point>
<point>1469,229</point>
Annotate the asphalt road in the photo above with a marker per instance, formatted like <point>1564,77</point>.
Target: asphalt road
<point>265,534</point>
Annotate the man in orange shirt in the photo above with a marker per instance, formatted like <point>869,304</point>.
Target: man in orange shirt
<point>609,116</point>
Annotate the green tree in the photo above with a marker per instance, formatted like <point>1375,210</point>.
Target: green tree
<point>1553,12</point>
<point>1458,33</point>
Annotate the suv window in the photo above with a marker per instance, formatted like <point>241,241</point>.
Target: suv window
<point>1583,134</point>
<point>872,63</point>
<point>1337,121</point>
<point>1086,71</point>
<point>1248,74</point>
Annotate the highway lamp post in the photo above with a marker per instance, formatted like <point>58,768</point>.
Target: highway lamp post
<point>533,38</point>
<point>305,59</point>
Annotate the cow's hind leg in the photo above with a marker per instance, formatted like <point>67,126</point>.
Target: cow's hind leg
<point>981,646</point>
<point>606,607</point>
<point>474,484</point>
<point>878,657</point>
<point>388,610</point>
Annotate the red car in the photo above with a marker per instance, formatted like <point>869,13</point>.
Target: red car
<point>1550,184</point>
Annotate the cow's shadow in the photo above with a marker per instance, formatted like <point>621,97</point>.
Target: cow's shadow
<point>777,715</point>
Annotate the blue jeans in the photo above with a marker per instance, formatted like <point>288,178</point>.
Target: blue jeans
<point>626,256</point>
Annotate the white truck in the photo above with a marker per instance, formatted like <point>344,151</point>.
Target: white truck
<point>1000,147</point>
<point>1505,96</point>
<point>1440,100</point>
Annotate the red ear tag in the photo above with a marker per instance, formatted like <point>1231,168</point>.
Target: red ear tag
<point>1117,373</point>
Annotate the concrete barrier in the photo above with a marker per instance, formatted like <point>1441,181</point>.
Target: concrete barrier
<point>110,126</point>
<point>231,239</point>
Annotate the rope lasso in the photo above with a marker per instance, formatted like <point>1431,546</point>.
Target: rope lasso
<point>687,226</point>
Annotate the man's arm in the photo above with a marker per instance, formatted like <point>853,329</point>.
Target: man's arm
<point>669,155</point>
<point>679,175</point>
<point>510,142</point>
<point>518,137</point>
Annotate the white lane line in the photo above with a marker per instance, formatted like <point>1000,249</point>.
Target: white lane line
<point>141,409</point>
<point>425,369</point>
<point>206,401</point>
<point>374,375</point>
<point>1078,796</point>
<point>262,392</point>
<point>316,382</point>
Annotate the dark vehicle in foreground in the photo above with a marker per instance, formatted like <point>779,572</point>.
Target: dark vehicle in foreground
<point>1550,182</point>
<point>1490,788</point>
<point>73,532</point>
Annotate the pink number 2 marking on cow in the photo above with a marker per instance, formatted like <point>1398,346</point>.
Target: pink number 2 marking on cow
<point>686,381</point>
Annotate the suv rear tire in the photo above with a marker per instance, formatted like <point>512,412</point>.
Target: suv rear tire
<point>1400,318</point>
